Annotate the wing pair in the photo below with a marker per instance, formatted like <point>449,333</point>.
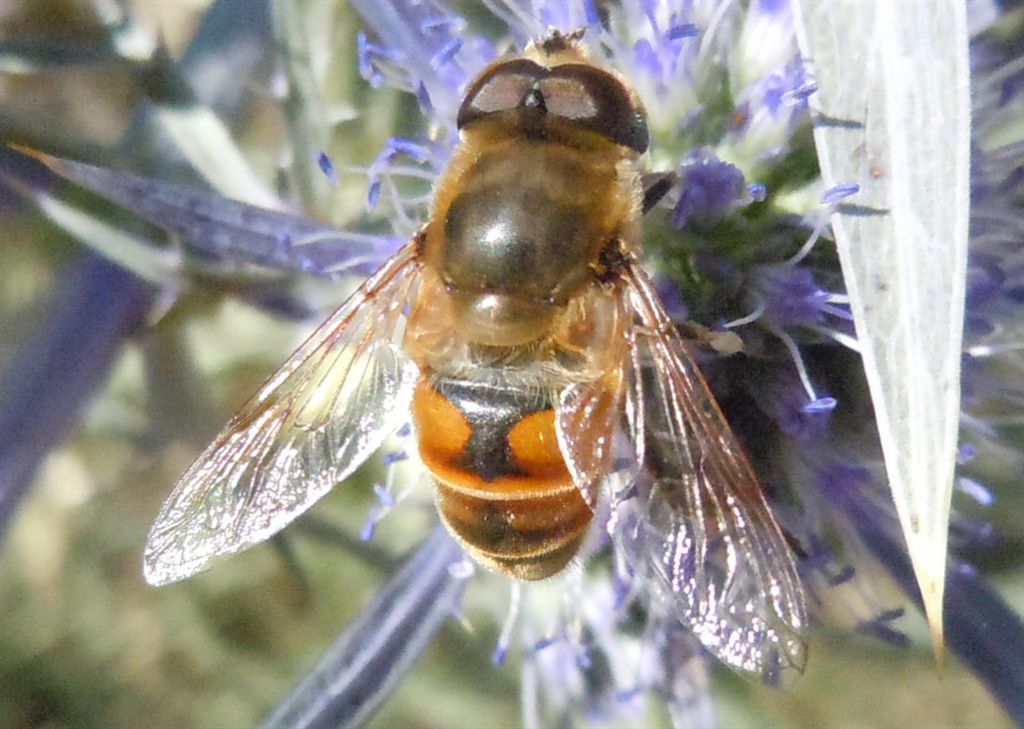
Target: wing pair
<point>705,534</point>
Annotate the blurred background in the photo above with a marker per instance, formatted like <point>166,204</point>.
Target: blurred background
<point>111,384</point>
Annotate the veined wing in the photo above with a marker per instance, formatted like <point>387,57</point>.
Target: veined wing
<point>588,415</point>
<point>311,424</point>
<point>706,532</point>
<point>590,409</point>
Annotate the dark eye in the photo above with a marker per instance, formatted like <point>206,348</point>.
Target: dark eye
<point>598,101</point>
<point>568,98</point>
<point>583,94</point>
<point>502,88</point>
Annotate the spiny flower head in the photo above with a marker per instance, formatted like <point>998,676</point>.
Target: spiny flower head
<point>739,246</point>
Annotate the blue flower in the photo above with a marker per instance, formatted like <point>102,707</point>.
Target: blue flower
<point>709,188</point>
<point>740,247</point>
<point>733,111</point>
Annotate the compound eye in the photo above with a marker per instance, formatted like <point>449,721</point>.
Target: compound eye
<point>568,98</point>
<point>502,88</point>
<point>598,101</point>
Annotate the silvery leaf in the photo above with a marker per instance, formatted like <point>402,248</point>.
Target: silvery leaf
<point>893,115</point>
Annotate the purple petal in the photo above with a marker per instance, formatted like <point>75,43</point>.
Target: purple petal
<point>327,167</point>
<point>710,187</point>
<point>840,192</point>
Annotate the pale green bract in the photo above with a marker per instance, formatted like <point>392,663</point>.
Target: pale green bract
<point>892,114</point>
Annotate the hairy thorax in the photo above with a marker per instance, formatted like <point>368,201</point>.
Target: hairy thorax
<point>517,231</point>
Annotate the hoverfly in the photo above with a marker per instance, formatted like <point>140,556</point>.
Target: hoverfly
<point>520,331</point>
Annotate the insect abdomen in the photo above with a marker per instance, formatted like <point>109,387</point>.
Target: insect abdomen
<point>503,488</point>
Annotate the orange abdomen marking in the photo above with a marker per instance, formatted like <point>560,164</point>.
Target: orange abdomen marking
<point>503,488</point>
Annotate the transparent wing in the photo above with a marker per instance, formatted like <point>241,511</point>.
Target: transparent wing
<point>311,424</point>
<point>588,411</point>
<point>588,414</point>
<point>706,531</point>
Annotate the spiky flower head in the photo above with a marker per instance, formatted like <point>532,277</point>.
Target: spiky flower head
<point>744,259</point>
